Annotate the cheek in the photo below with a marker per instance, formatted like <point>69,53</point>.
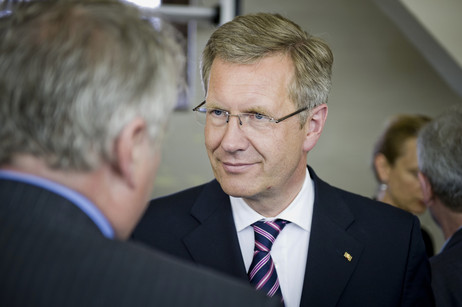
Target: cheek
<point>155,166</point>
<point>411,180</point>
<point>407,185</point>
<point>213,138</point>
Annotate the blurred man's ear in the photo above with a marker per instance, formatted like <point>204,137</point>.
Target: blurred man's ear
<point>426,188</point>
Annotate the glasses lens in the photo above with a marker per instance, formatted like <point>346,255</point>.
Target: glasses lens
<point>256,121</point>
<point>219,118</point>
<point>200,115</point>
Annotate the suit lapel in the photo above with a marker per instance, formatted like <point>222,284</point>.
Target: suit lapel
<point>214,242</point>
<point>333,253</point>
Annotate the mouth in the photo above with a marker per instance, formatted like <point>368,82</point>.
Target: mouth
<point>236,167</point>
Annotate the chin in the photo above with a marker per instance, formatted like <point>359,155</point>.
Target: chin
<point>237,188</point>
<point>419,210</point>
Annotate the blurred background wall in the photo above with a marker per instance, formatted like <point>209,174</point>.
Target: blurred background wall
<point>378,72</point>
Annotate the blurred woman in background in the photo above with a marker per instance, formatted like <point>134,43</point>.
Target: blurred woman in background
<point>395,167</point>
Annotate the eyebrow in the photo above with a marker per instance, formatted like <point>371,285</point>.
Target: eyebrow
<point>258,110</point>
<point>212,106</point>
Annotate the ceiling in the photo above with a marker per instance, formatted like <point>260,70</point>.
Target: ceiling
<point>434,27</point>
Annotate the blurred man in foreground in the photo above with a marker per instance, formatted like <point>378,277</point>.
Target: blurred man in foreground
<point>85,90</point>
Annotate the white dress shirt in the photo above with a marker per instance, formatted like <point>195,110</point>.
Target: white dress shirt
<point>290,250</point>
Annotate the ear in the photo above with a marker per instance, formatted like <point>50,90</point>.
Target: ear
<point>314,125</point>
<point>426,187</point>
<point>382,167</point>
<point>127,147</point>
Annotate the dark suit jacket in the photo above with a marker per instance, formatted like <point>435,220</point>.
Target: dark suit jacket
<point>447,273</point>
<point>428,241</point>
<point>52,254</point>
<point>389,266</point>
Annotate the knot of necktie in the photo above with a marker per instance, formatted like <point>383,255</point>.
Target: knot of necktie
<point>266,233</point>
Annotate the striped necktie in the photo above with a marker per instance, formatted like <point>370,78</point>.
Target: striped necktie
<point>262,273</point>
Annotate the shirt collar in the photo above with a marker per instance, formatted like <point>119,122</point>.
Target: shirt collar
<point>74,197</point>
<point>299,211</point>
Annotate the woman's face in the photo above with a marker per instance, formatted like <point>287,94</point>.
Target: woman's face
<point>403,184</point>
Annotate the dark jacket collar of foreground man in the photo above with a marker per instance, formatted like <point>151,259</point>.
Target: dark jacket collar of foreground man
<point>388,267</point>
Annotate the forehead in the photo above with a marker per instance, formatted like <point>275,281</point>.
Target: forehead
<point>409,147</point>
<point>408,154</point>
<point>262,82</point>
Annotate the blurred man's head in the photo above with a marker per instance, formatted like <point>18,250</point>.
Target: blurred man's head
<point>439,149</point>
<point>83,85</point>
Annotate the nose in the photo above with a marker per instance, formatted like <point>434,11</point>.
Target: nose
<point>234,138</point>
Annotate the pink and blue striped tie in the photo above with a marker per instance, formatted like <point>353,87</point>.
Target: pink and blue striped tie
<point>262,273</point>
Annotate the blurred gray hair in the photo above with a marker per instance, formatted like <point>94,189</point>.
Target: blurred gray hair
<point>439,151</point>
<point>249,38</point>
<point>74,73</point>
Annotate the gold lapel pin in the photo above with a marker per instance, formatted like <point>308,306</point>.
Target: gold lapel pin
<point>347,256</point>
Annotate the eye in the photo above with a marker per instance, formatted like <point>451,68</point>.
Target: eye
<point>217,112</point>
<point>258,117</point>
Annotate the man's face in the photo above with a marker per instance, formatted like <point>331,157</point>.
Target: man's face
<point>255,163</point>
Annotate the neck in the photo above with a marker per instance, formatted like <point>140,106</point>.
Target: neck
<point>91,184</point>
<point>451,224</point>
<point>275,201</point>
<point>34,166</point>
<point>383,196</point>
<point>448,220</point>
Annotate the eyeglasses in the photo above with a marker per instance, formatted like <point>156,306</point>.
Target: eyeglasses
<point>219,117</point>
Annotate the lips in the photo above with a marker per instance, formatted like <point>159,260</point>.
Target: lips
<point>236,167</point>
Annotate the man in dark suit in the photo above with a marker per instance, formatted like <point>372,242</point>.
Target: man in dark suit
<point>439,147</point>
<point>268,218</point>
<point>85,88</point>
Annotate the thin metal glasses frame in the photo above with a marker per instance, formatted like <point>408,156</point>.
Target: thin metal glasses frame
<point>274,120</point>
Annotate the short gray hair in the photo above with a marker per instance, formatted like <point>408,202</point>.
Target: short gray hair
<point>248,38</point>
<point>74,73</point>
<point>439,151</point>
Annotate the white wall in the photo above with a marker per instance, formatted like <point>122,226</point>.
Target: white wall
<point>377,73</point>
